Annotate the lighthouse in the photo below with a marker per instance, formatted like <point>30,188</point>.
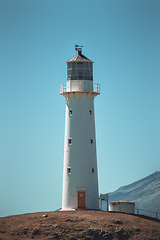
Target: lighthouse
<point>80,176</point>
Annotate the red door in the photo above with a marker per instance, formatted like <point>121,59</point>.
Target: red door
<point>81,199</point>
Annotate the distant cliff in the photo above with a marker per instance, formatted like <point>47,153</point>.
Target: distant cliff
<point>145,193</point>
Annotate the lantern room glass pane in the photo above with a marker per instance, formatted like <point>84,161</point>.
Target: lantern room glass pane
<point>73,65</point>
<point>74,71</point>
<point>74,77</point>
<point>80,64</point>
<point>90,65</point>
<point>68,72</point>
<point>80,77</point>
<point>79,71</point>
<point>90,72</point>
<point>86,71</point>
<point>68,65</point>
<point>86,64</point>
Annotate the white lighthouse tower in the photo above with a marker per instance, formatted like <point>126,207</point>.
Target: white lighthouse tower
<point>80,178</point>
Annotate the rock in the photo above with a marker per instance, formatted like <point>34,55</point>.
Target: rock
<point>121,234</point>
<point>136,229</point>
<point>45,215</point>
<point>36,232</point>
<point>92,231</point>
<point>102,232</point>
<point>108,236</point>
<point>97,234</point>
<point>25,231</point>
<point>56,235</point>
<point>52,238</point>
<point>71,220</point>
<point>117,222</point>
<point>83,234</point>
<point>119,230</point>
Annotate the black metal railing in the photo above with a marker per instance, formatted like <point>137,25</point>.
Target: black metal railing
<point>148,213</point>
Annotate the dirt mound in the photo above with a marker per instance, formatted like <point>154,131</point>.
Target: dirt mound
<point>79,225</point>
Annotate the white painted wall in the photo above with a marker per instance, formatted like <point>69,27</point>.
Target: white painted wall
<point>81,154</point>
<point>79,85</point>
<point>128,207</point>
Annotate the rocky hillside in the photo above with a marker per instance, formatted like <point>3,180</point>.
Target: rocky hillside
<point>145,193</point>
<point>76,225</point>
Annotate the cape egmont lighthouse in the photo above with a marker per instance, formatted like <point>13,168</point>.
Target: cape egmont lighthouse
<point>80,177</point>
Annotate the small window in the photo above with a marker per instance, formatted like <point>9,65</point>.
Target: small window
<point>70,112</point>
<point>91,140</point>
<point>69,141</point>
<point>92,170</point>
<point>90,112</point>
<point>68,170</point>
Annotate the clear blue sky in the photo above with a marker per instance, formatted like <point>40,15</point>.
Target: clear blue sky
<point>37,37</point>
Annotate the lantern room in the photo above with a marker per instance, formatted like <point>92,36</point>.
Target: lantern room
<point>79,67</point>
